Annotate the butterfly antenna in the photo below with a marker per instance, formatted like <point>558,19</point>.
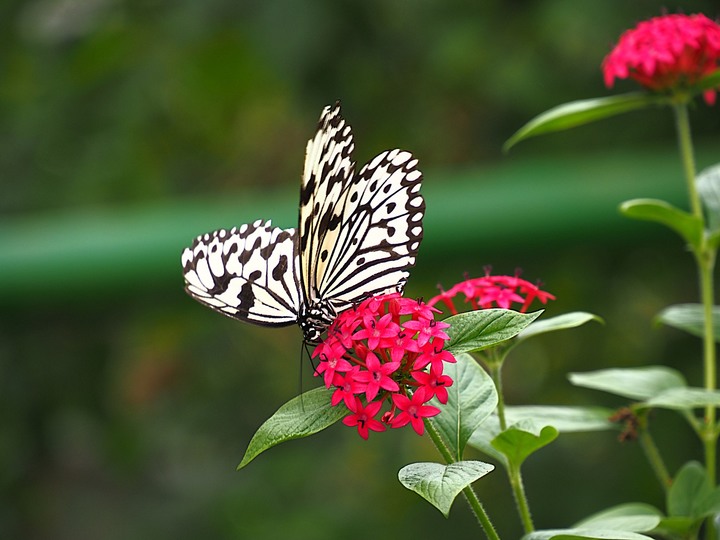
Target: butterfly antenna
<point>303,348</point>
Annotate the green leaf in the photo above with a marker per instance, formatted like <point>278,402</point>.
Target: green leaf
<point>439,484</point>
<point>709,82</point>
<point>690,484</point>
<point>684,398</point>
<point>482,439</point>
<point>708,186</point>
<point>582,534</point>
<point>683,223</point>
<point>624,522</point>
<point>564,419</point>
<point>681,527</point>
<point>561,322</point>
<point>520,440</point>
<point>471,399</point>
<point>577,113</point>
<point>303,415</point>
<point>692,495</point>
<point>533,418</point>
<point>633,517</point>
<point>690,318</point>
<point>479,329</point>
<point>633,383</point>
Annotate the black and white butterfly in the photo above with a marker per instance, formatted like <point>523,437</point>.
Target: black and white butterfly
<point>358,235</point>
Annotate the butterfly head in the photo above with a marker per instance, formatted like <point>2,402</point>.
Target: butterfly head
<point>314,321</point>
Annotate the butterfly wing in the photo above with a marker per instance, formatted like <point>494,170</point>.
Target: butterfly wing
<point>250,273</point>
<point>359,233</point>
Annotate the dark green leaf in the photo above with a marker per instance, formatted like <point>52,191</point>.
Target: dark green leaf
<point>471,399</point>
<point>577,113</point>
<point>439,484</point>
<point>520,440</point>
<point>689,227</point>
<point>633,383</point>
<point>476,330</point>
<point>301,416</point>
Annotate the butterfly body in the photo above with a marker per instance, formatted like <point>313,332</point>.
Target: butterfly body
<point>358,233</point>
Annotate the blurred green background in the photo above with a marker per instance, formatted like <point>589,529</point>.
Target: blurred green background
<point>128,127</point>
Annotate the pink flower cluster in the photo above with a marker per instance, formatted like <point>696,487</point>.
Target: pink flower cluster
<point>666,53</point>
<point>386,351</point>
<point>492,291</point>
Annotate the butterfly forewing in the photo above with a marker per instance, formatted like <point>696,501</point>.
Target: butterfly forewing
<point>328,169</point>
<point>381,232</point>
<point>250,273</point>
<point>358,233</point>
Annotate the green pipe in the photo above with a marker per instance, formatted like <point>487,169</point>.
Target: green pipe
<point>522,201</point>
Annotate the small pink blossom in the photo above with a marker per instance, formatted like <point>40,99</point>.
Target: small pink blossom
<point>364,417</point>
<point>413,410</point>
<point>378,375</point>
<point>434,383</point>
<point>491,291</point>
<point>347,385</point>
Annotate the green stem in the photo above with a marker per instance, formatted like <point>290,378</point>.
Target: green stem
<point>495,369</point>
<point>520,498</point>
<point>494,365</point>
<point>469,493</point>
<point>705,257</point>
<point>682,125</point>
<point>653,456</point>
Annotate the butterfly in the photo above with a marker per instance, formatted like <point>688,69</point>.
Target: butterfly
<point>357,236</point>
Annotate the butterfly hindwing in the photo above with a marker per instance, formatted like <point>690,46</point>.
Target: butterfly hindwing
<point>250,273</point>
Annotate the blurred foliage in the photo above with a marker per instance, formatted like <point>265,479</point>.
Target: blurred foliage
<point>123,415</point>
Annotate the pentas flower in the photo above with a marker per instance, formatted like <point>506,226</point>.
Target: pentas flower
<point>385,359</point>
<point>671,52</point>
<point>492,291</point>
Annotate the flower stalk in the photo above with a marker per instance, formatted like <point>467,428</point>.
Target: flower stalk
<point>705,258</point>
<point>652,454</point>
<point>493,361</point>
<point>469,493</point>
<point>521,501</point>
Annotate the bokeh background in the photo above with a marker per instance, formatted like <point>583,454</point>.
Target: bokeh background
<point>128,127</point>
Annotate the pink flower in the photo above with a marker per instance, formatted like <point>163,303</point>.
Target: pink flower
<point>434,383</point>
<point>347,385</point>
<point>413,410</point>
<point>377,352</point>
<point>375,331</point>
<point>378,376</point>
<point>331,360</point>
<point>432,353</point>
<point>492,291</point>
<point>364,418</point>
<point>672,52</point>
<point>427,329</point>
